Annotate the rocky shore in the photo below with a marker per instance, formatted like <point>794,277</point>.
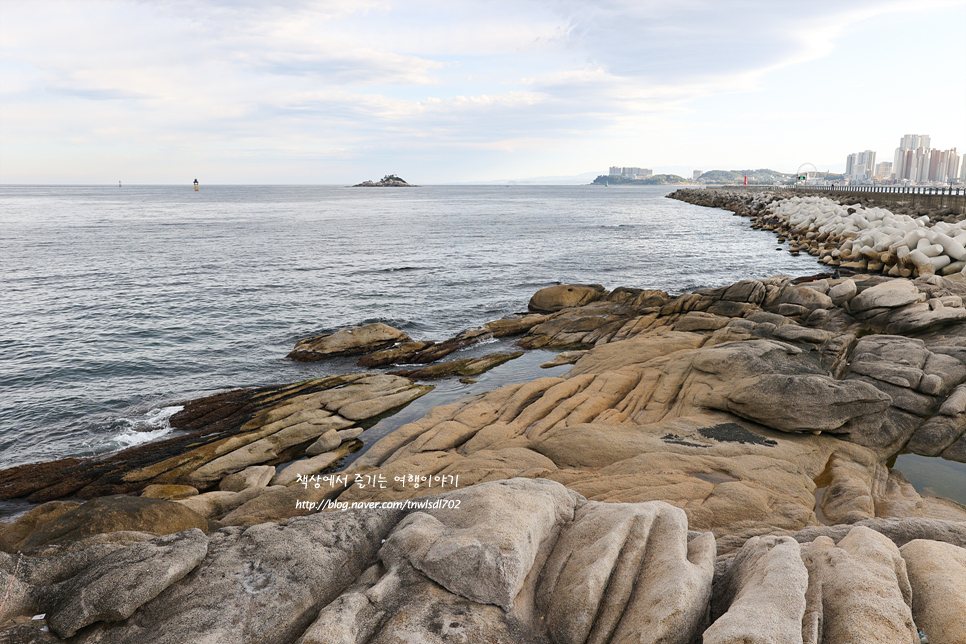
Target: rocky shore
<point>715,467</point>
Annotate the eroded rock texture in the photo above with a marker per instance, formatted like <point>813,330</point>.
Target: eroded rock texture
<point>517,561</point>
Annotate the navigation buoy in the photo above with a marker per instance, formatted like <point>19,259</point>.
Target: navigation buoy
<point>196,185</point>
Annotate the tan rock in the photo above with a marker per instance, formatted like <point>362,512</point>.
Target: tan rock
<point>354,340</point>
<point>36,518</point>
<point>514,326</point>
<point>402,352</point>
<point>555,298</point>
<point>484,548</point>
<point>170,492</point>
<point>762,596</point>
<point>309,466</point>
<point>263,450</point>
<point>843,292</point>
<point>325,443</point>
<point>114,513</point>
<point>858,591</point>
<point>937,574</point>
<point>214,504</point>
<point>255,476</point>
<point>626,573</point>
<point>891,294</point>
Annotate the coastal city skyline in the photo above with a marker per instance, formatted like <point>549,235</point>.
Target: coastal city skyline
<point>317,93</point>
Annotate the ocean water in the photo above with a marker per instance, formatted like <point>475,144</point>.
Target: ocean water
<point>118,303</point>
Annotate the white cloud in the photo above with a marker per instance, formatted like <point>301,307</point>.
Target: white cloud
<point>186,81</point>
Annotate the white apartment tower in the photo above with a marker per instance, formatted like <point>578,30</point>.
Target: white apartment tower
<point>860,165</point>
<point>904,167</point>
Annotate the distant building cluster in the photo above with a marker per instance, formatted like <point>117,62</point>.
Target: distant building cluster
<point>914,163</point>
<point>630,173</point>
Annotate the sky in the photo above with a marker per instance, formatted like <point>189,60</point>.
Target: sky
<point>259,92</point>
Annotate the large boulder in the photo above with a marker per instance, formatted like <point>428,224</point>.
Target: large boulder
<point>891,294</point>
<point>483,546</point>
<point>565,296</point>
<point>120,583</point>
<point>116,513</point>
<point>352,341</point>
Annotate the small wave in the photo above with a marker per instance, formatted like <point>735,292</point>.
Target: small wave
<point>145,429</point>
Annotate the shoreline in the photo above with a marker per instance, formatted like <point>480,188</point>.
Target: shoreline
<point>742,432</point>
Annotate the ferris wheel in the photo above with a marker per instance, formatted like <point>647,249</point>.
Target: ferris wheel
<point>804,171</point>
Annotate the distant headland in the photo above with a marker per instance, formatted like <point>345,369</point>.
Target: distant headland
<point>388,181</point>
<point>652,180</point>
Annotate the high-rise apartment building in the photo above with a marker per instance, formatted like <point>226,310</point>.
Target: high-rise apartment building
<point>913,141</point>
<point>859,165</point>
<point>630,173</point>
<point>902,166</point>
<point>943,166</point>
<point>883,170</point>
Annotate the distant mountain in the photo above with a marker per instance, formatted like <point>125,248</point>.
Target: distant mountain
<point>656,180</point>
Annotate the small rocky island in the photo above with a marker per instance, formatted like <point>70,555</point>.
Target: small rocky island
<point>388,181</point>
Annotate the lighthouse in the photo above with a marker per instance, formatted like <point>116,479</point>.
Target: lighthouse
<point>196,185</point>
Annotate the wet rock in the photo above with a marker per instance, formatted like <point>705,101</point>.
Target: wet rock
<point>514,326</point>
<point>351,341</point>
<point>443,349</point>
<point>565,296</point>
<point>120,583</point>
<point>214,427</point>
<point>401,353</point>
<point>114,513</point>
<point>465,367</point>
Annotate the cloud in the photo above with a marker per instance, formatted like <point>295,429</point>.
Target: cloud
<point>198,78</point>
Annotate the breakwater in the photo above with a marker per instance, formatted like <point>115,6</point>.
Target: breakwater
<point>918,197</point>
<point>907,242</point>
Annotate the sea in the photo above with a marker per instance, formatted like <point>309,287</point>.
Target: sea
<point>118,304</point>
